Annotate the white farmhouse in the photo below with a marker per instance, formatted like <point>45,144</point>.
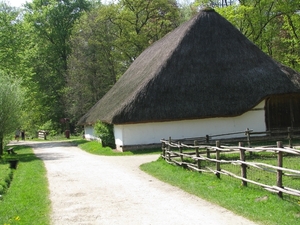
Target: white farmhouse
<point>203,78</point>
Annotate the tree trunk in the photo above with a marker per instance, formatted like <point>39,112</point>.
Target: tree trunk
<point>1,144</point>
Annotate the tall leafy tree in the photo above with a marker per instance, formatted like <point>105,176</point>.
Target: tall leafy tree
<point>11,40</point>
<point>140,23</point>
<point>51,23</point>
<point>93,64</point>
<point>285,45</point>
<point>11,100</point>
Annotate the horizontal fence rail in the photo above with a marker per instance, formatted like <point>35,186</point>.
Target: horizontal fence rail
<point>249,136</point>
<point>203,157</point>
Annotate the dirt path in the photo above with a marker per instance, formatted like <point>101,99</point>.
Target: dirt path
<point>88,189</point>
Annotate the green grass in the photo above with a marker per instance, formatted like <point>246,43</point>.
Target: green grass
<point>251,202</point>
<point>267,176</point>
<point>6,175</point>
<point>26,201</point>
<point>95,147</point>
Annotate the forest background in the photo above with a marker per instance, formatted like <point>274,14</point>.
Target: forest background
<point>59,57</point>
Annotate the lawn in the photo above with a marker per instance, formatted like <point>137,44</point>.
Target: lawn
<point>25,195</point>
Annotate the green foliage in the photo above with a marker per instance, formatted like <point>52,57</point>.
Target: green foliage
<point>51,127</point>
<point>6,175</point>
<point>93,66</point>
<point>106,133</point>
<point>11,100</point>
<point>142,23</point>
<point>187,11</point>
<point>272,25</point>
<point>215,3</point>
<point>12,41</point>
<point>49,24</point>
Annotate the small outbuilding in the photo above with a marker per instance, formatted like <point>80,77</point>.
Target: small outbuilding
<point>203,78</point>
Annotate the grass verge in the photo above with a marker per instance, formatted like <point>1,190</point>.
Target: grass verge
<point>26,201</point>
<point>250,202</point>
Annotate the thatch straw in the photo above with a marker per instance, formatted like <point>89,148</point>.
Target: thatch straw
<point>204,68</point>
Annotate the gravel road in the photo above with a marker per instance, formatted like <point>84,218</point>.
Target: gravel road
<point>98,190</point>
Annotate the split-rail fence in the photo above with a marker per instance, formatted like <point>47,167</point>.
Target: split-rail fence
<point>204,157</point>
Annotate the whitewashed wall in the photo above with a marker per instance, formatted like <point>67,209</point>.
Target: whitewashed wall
<point>150,133</point>
<point>89,133</point>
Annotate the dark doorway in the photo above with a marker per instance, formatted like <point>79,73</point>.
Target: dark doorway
<point>283,111</point>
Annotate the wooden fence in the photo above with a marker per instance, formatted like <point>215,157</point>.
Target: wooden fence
<point>207,158</point>
<point>249,136</point>
<point>42,134</point>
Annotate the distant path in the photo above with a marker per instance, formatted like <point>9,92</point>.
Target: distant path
<point>95,190</point>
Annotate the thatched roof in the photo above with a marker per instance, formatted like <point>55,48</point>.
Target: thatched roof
<point>204,68</point>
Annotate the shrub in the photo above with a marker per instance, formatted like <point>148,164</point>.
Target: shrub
<point>106,134</point>
<point>50,127</point>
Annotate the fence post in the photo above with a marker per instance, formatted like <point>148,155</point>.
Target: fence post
<point>243,166</point>
<point>207,139</point>
<point>207,149</point>
<point>218,165</point>
<point>208,152</point>
<point>247,132</point>
<point>169,149</point>
<point>279,164</point>
<point>197,155</point>
<point>290,137</point>
<point>163,148</point>
<point>180,150</point>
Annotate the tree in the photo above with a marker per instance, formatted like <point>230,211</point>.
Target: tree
<point>106,41</point>
<point>51,23</point>
<point>187,10</point>
<point>140,23</point>
<point>215,3</point>
<point>10,106</point>
<point>93,66</point>
<point>272,25</point>
<point>12,40</point>
<point>285,45</point>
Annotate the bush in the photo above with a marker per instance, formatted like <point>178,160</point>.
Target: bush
<point>6,176</point>
<point>106,134</point>
<point>50,127</point>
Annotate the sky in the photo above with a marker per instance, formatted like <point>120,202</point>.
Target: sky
<point>17,3</point>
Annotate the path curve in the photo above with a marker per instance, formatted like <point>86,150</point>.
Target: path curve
<point>86,189</point>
